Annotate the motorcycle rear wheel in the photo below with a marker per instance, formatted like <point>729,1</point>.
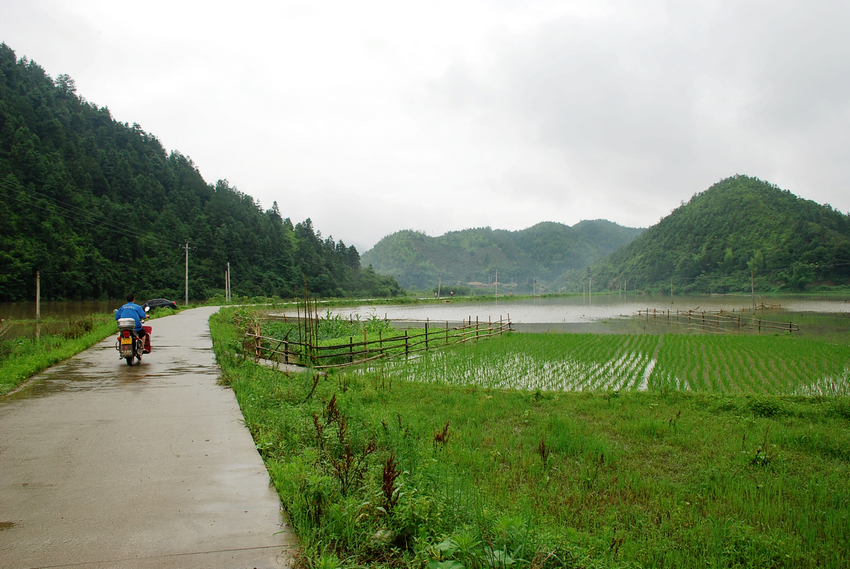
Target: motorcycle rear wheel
<point>129,360</point>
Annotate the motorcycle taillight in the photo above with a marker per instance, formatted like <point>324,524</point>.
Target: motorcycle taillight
<point>125,334</point>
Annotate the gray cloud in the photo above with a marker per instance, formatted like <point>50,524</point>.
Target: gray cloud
<point>650,104</point>
<point>377,116</point>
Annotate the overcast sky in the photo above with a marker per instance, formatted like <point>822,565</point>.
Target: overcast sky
<point>371,117</point>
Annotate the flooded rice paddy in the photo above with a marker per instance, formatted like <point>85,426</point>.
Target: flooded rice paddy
<point>775,365</point>
<point>607,348</point>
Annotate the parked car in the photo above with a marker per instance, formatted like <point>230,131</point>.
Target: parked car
<point>159,303</point>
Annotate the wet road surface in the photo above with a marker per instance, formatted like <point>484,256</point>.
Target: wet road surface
<point>106,465</point>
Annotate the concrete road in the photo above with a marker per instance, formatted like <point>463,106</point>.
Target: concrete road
<point>108,466</point>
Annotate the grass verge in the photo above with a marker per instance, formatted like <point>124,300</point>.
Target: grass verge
<point>23,357</point>
<point>382,473</point>
<point>20,358</point>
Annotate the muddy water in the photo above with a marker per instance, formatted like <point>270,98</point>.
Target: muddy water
<point>57,309</point>
<point>576,314</point>
<point>18,318</point>
<point>64,309</point>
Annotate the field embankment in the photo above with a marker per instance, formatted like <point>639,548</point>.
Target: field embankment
<point>374,469</point>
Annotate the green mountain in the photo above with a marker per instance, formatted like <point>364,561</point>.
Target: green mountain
<point>100,209</point>
<point>541,253</point>
<point>711,243</point>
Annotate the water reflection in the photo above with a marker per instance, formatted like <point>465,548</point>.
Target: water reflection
<point>57,308</point>
<point>576,310</point>
<point>100,369</point>
<point>65,308</point>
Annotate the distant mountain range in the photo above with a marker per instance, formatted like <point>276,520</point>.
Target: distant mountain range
<point>740,227</point>
<point>472,257</point>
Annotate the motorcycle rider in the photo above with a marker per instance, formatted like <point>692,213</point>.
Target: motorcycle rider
<point>137,313</point>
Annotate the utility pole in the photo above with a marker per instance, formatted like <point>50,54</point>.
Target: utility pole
<point>37,296</point>
<point>590,290</point>
<point>671,291</point>
<point>227,293</point>
<point>186,296</point>
<point>497,283</point>
<point>37,305</point>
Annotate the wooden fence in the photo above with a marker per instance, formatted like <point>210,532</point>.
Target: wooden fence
<point>715,321</point>
<point>357,351</point>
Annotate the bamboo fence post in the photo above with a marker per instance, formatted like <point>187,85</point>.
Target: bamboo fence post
<point>406,347</point>
<point>447,332</point>
<point>350,349</point>
<point>298,320</point>
<point>426,334</point>
<point>476,327</point>
<point>365,346</point>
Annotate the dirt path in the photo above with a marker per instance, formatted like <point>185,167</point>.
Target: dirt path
<point>105,465</point>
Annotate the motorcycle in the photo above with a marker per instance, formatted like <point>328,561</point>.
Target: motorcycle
<point>131,345</point>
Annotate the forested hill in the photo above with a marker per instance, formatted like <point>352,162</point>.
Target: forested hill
<point>100,209</point>
<point>711,243</point>
<point>542,252</point>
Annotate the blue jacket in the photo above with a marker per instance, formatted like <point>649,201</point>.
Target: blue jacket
<point>134,311</point>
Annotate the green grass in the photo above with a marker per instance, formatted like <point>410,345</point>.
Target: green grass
<point>342,341</point>
<point>778,365</point>
<point>25,355</point>
<point>22,357</point>
<point>377,470</point>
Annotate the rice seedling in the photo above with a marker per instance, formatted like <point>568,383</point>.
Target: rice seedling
<point>544,451</point>
<point>572,362</point>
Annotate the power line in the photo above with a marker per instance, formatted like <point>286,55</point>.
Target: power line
<point>25,195</point>
<point>88,217</point>
<point>79,215</point>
